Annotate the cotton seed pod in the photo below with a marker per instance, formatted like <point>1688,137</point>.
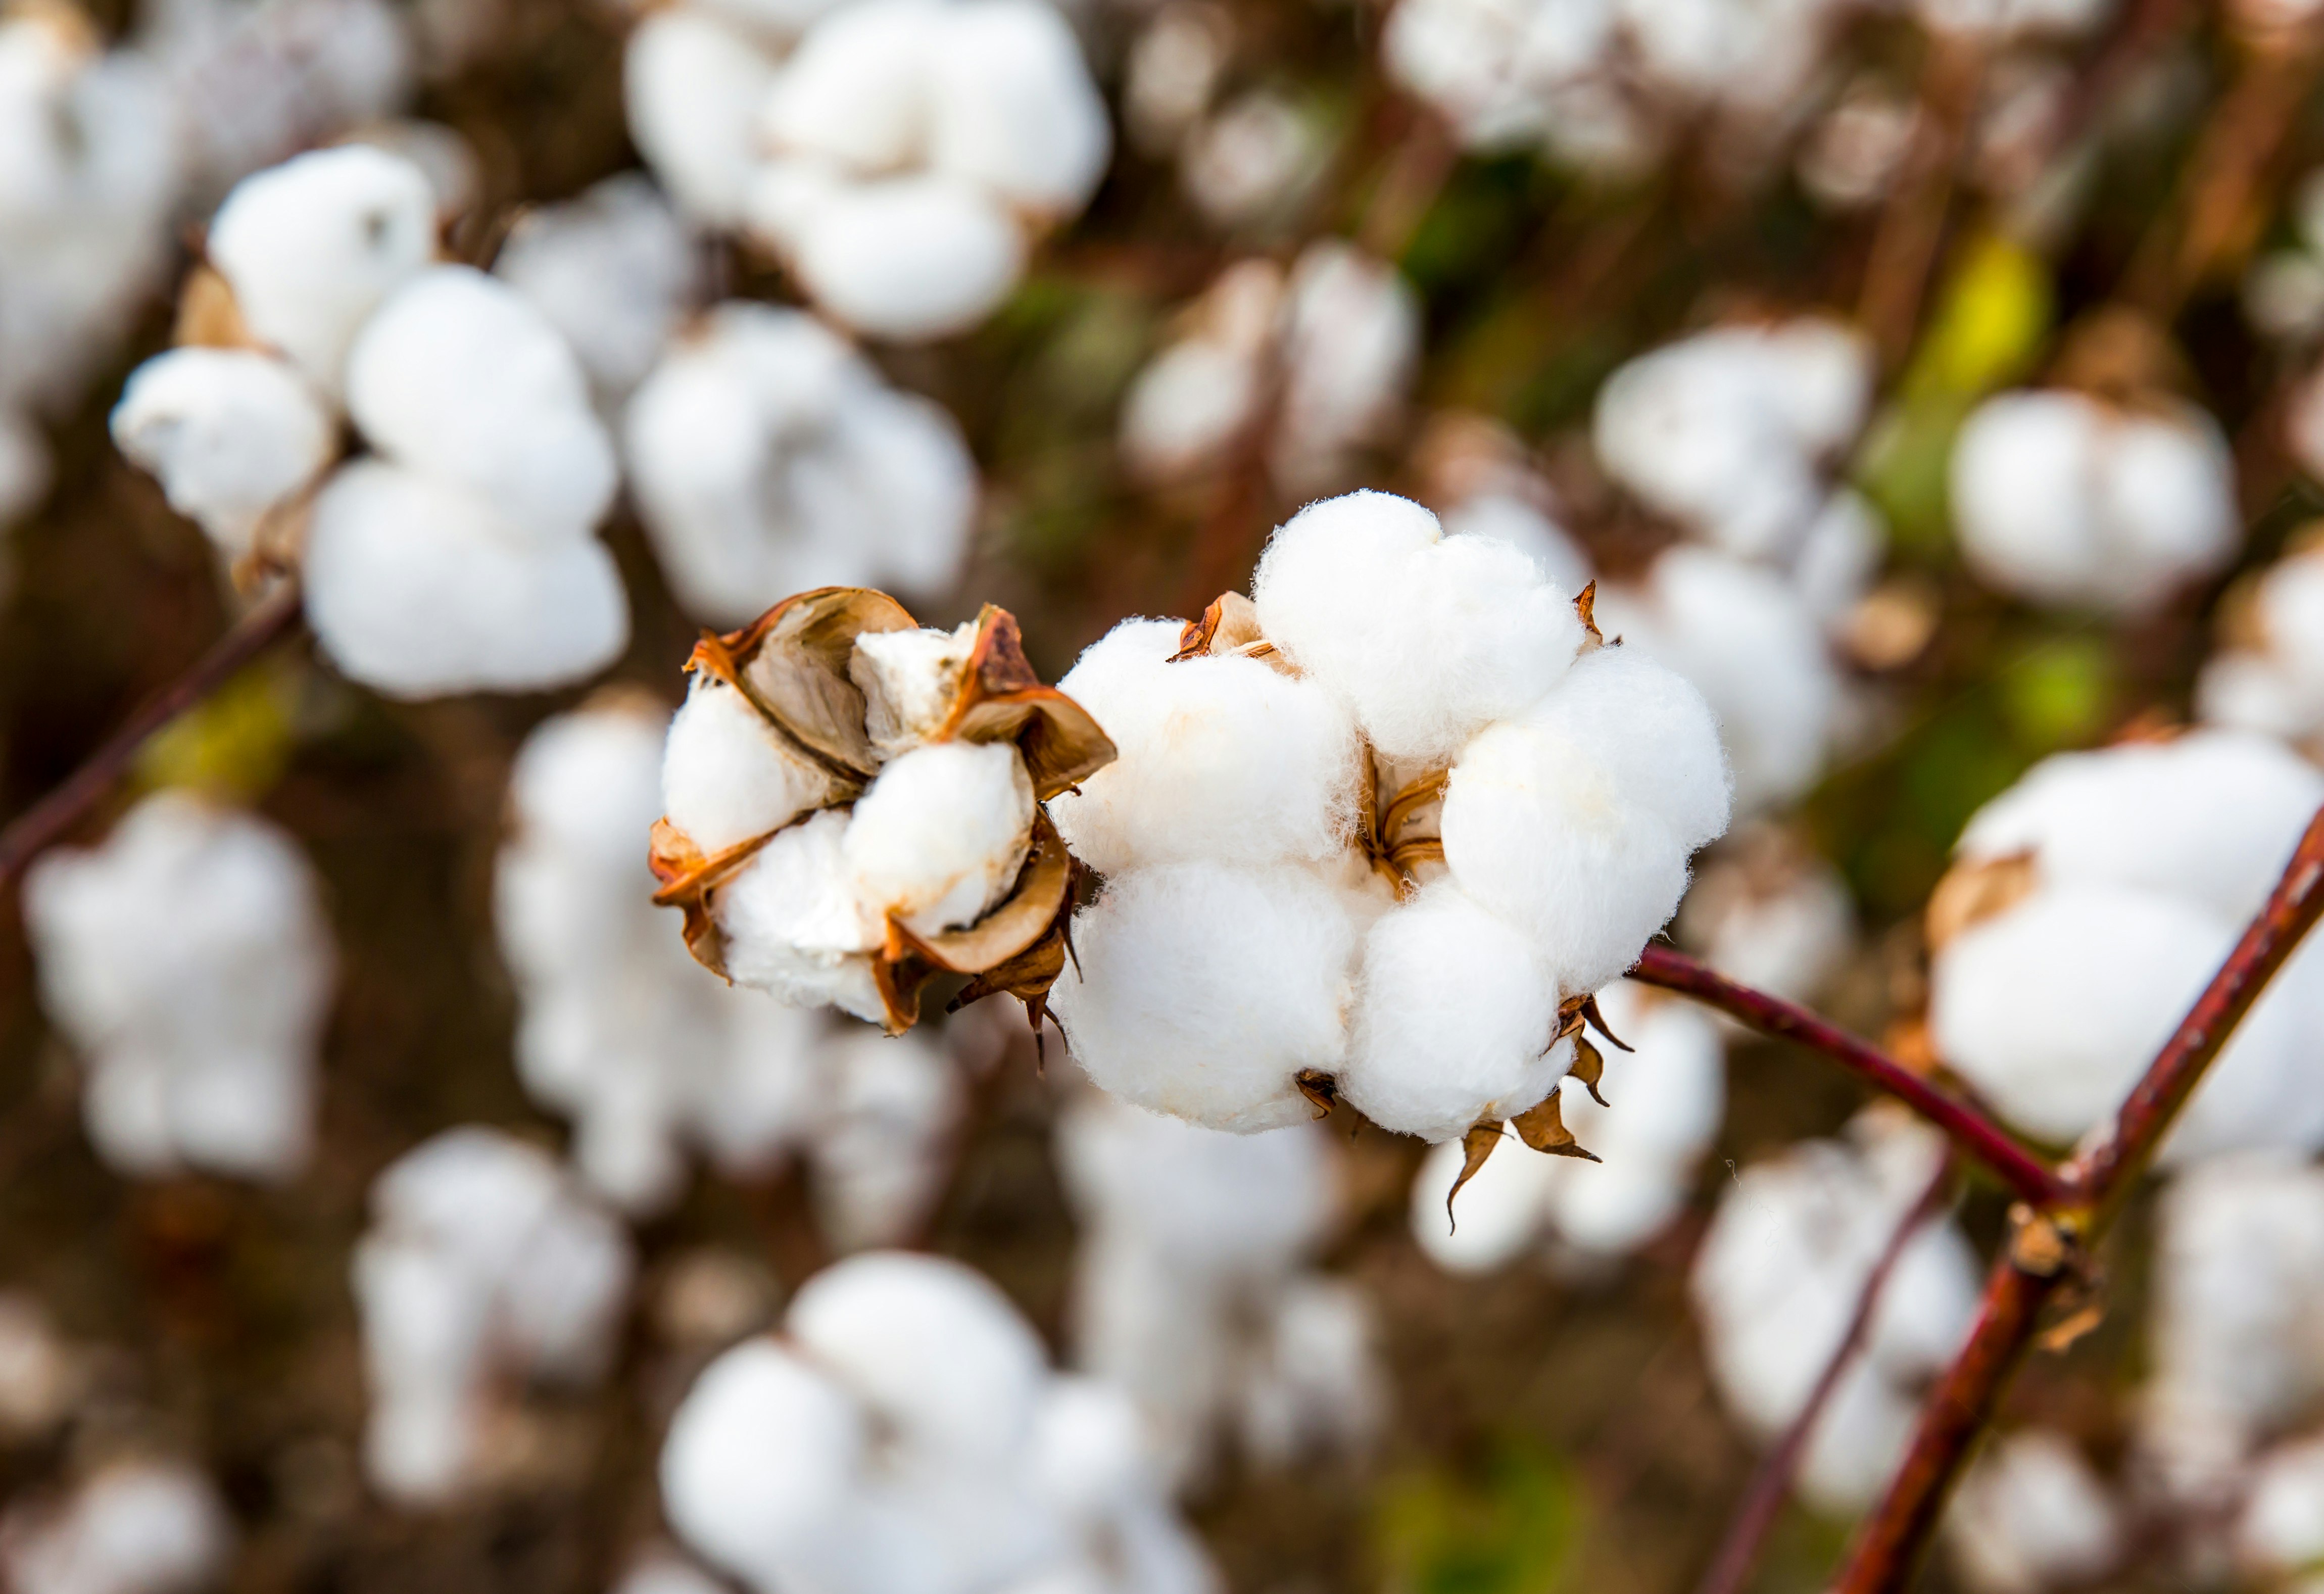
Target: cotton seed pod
<point>852,806</point>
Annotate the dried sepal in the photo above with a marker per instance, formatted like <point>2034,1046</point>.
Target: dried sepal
<point>1476,1145</point>
<point>1542,1128</point>
<point>1319,1088</point>
<point>1588,1068</point>
<point>899,982</point>
<point>1585,606</point>
<point>1229,628</point>
<point>1971,893</point>
<point>1000,699</point>
<point>209,317</point>
<point>688,876</point>
<point>1589,1011</point>
<point>791,663</point>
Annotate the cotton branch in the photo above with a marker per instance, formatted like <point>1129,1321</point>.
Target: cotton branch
<point>1983,1140</point>
<point>47,820</point>
<point>2038,1260</point>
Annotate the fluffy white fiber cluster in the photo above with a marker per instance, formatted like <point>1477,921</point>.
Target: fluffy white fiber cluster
<point>904,1435</point>
<point>614,270</point>
<point>1480,479</point>
<point>1249,940</point>
<point>1245,159</point>
<point>2102,892</point>
<point>1734,435</point>
<point>2269,677</point>
<point>485,1267</point>
<point>189,962</point>
<point>1671,1089</point>
<point>1321,359</point>
<point>459,554</point>
<point>1776,1282</point>
<point>900,155</point>
<point>768,456</point>
<point>2065,500</point>
<point>133,1528</point>
<point>2032,1515</point>
<point>1195,1290</point>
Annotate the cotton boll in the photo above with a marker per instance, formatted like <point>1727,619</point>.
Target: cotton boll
<point>1315,1388</point>
<point>728,775</point>
<point>1770,912</point>
<point>1453,1021</point>
<point>1350,341</point>
<point>878,1156</point>
<point>136,1527</point>
<point>1204,989</point>
<point>1857,1444</point>
<point>460,377</point>
<point>2030,1515</point>
<point>230,434</point>
<point>935,1350</point>
<point>792,926</point>
<point>1187,406</point>
<point>612,271</point>
<point>911,257</point>
<point>940,835</point>
<point>1221,757</point>
<point>692,85</point>
<point>1496,1217</point>
<point>1011,105</point>
<point>1254,157</point>
<point>660,1569</point>
<point>909,679</point>
<point>313,246</point>
<point>418,588</point>
<point>1505,518</point>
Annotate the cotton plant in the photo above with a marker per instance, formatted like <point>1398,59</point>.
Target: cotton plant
<point>459,552</point>
<point>904,1433</point>
<point>2085,907</point>
<point>89,174</point>
<point>134,1527</point>
<point>485,1267</point>
<point>1376,834</point>
<point>902,157</point>
<point>615,271</point>
<point>1664,1097</point>
<point>1244,158</point>
<point>2033,1514</point>
<point>1777,1281</point>
<point>1312,367</point>
<point>1196,1288</point>
<point>188,962</point>
<point>852,803</point>
<point>768,456</point>
<point>2267,675</point>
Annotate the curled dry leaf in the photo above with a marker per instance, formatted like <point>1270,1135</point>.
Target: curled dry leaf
<point>1588,1068</point>
<point>1229,627</point>
<point>1585,604</point>
<point>1476,1145</point>
<point>1544,1129</point>
<point>1000,699</point>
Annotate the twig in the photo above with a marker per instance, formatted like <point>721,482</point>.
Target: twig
<point>2024,1277</point>
<point>39,825</point>
<point>1984,1141</point>
<point>1747,1530</point>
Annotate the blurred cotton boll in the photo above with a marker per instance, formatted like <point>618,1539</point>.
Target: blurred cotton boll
<point>1251,160</point>
<point>614,269</point>
<point>485,1268</point>
<point>1765,908</point>
<point>2270,676</point>
<point>230,435</point>
<point>768,457</point>
<point>188,960</point>
<point>989,1472</point>
<point>1777,1279</point>
<point>2032,1515</point>
<point>135,1527</point>
<point>2063,500</point>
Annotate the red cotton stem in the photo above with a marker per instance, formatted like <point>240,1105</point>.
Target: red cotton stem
<point>1762,1500</point>
<point>1983,1140</point>
<point>38,827</point>
<point>1889,1545</point>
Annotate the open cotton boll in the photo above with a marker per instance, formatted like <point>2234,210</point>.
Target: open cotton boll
<point>1350,342</point>
<point>1575,823</point>
<point>793,924</point>
<point>614,269</point>
<point>229,433</point>
<point>911,680</point>
<point>661,1570</point>
<point>188,960</point>
<point>418,588</point>
<point>1220,758</point>
<point>728,775</point>
<point>2031,1514</point>
<point>2059,500</point>
<point>692,84</point>
<point>1011,105</point>
<point>458,375</point>
<point>940,835</point>
<point>1204,989</point>
<point>1768,910</point>
<point>1453,1018</point>
<point>136,1527</point>
<point>313,246</point>
<point>910,258</point>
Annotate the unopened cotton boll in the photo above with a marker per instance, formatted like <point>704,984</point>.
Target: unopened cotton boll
<point>1427,637</point>
<point>1453,1021</point>
<point>313,246</point>
<point>189,962</point>
<point>1575,822</point>
<point>2062,501</point>
<point>1204,989</point>
<point>458,376</point>
<point>229,433</point>
<point>1221,757</point>
<point>2031,1515</point>
<point>417,588</point>
<point>613,270</point>
<point>941,833</point>
<point>136,1527</point>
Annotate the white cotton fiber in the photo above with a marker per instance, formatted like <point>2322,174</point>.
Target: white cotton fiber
<point>911,680</point>
<point>417,588</point>
<point>1223,758</point>
<point>230,435</point>
<point>931,1347</point>
<point>1203,989</point>
<point>613,270</point>
<point>1011,105</point>
<point>1351,340</point>
<point>855,88</point>
<point>1575,823</point>
<point>910,257</point>
<point>136,1527</point>
<point>940,837</point>
<point>1426,638</point>
<point>459,376</point>
<point>692,85</point>
<point>1453,1020</point>
<point>728,775</point>
<point>792,925</point>
<point>312,246</point>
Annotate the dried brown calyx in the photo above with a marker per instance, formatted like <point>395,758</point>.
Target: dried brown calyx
<point>1229,628</point>
<point>1543,1126</point>
<point>1971,893</point>
<point>792,668</point>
